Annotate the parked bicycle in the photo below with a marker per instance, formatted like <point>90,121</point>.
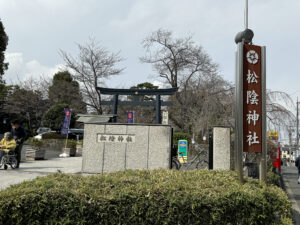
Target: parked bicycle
<point>195,162</point>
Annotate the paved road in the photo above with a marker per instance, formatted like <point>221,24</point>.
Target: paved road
<point>290,178</point>
<point>31,169</point>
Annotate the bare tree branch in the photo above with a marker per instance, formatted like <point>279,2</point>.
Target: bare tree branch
<point>93,65</point>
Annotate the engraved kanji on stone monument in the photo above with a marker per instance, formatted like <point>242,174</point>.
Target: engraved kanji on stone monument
<point>112,138</point>
<point>116,138</point>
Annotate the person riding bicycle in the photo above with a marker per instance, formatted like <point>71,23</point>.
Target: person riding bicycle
<point>7,144</point>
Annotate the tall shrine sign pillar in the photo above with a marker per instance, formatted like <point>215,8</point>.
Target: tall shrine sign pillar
<point>251,105</point>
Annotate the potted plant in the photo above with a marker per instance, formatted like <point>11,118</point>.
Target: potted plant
<point>54,141</point>
<point>70,147</point>
<point>36,150</point>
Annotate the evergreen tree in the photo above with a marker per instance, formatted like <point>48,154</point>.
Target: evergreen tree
<point>3,65</point>
<point>3,44</point>
<point>64,90</point>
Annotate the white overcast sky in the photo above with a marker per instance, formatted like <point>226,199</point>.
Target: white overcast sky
<point>38,29</point>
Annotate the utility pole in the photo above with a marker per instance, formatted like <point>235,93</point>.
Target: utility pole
<point>246,14</point>
<point>239,101</point>
<point>297,130</point>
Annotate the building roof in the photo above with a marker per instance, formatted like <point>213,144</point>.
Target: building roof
<point>87,118</point>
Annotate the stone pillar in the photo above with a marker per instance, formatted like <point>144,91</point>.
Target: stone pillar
<point>222,156</point>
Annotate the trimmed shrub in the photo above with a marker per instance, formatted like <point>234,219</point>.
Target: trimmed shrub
<point>144,197</point>
<point>181,136</point>
<point>35,142</point>
<point>273,178</point>
<point>80,143</point>
<point>70,143</point>
<point>53,136</point>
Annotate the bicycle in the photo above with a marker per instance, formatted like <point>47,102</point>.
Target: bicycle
<point>176,165</point>
<point>199,164</point>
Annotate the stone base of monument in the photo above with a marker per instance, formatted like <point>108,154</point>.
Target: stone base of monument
<point>251,164</point>
<point>252,170</point>
<point>114,147</point>
<point>34,153</point>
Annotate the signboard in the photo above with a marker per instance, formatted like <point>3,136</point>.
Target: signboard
<point>273,135</point>
<point>66,123</point>
<point>130,117</point>
<point>165,117</point>
<point>252,98</point>
<point>115,138</point>
<point>182,150</point>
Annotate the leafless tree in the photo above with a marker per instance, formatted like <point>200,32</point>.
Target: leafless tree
<point>178,61</point>
<point>204,98</point>
<point>207,103</point>
<point>40,85</point>
<point>279,107</point>
<point>93,65</point>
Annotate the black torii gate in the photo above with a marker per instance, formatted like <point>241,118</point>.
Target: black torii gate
<point>136,102</point>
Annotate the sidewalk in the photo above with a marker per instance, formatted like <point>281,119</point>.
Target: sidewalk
<point>290,179</point>
<point>31,169</point>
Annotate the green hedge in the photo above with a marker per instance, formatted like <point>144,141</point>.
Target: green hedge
<point>53,136</point>
<point>144,197</point>
<point>70,143</point>
<point>181,136</point>
<point>272,178</point>
<point>35,142</point>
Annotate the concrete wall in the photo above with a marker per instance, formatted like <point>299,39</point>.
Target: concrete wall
<point>222,156</point>
<point>112,147</point>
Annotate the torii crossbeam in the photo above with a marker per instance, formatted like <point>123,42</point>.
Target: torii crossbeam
<point>137,92</point>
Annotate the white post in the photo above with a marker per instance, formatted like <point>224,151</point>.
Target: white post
<point>246,15</point>
<point>263,162</point>
<point>239,112</point>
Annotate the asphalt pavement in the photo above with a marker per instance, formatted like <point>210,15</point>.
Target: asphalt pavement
<point>290,180</point>
<point>31,169</point>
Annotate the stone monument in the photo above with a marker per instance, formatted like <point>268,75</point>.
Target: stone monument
<point>112,147</point>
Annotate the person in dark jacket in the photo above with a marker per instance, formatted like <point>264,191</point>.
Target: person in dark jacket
<point>297,164</point>
<point>19,134</point>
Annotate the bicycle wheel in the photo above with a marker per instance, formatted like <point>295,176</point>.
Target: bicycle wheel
<point>13,163</point>
<point>203,164</point>
<point>175,164</point>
